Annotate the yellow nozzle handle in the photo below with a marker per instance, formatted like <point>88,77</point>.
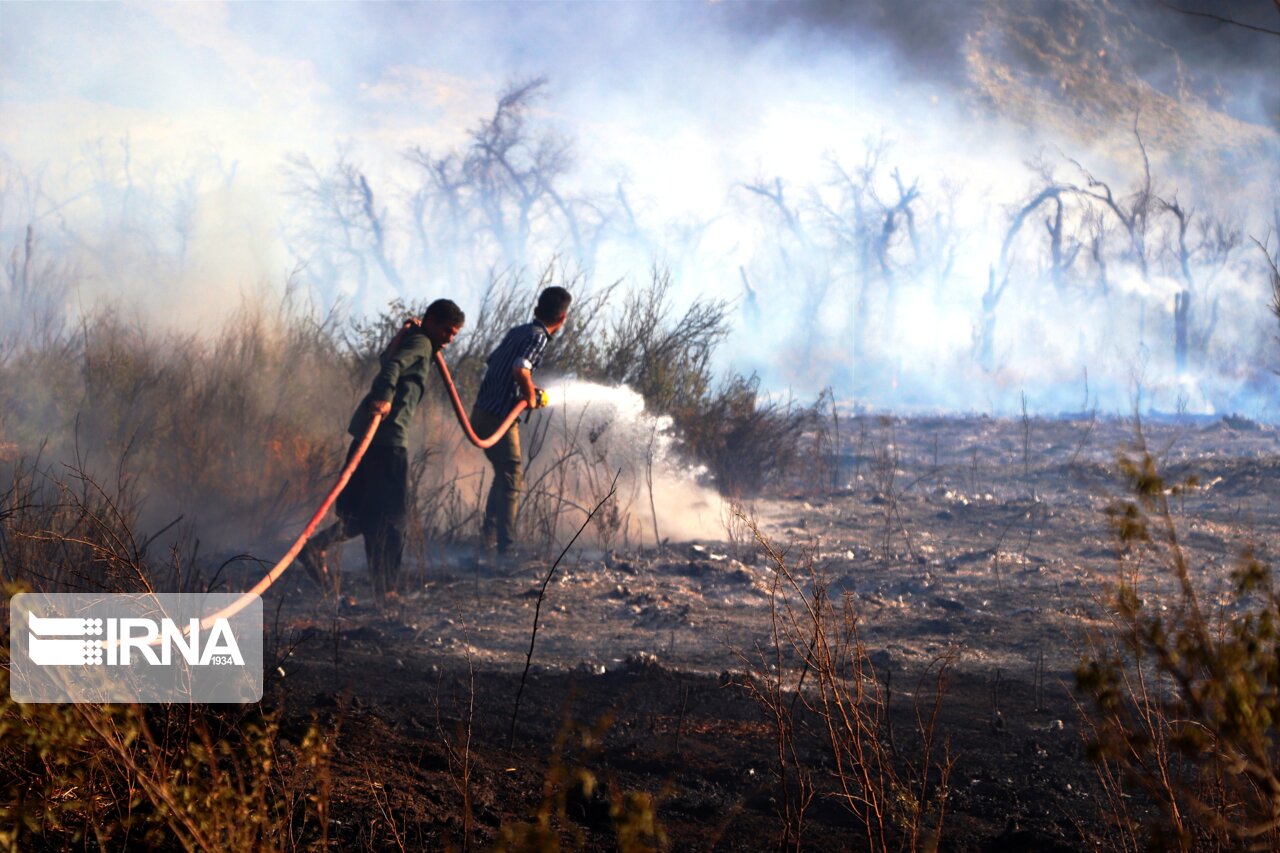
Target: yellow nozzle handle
<point>541,400</point>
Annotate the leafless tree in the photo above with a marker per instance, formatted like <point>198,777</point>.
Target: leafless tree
<point>1190,248</point>
<point>851,227</point>
<point>509,182</point>
<point>1274,276</point>
<point>942,232</point>
<point>1097,231</point>
<point>489,204</point>
<point>1134,212</point>
<point>800,262</point>
<point>32,292</point>
<point>339,229</point>
<point>984,337</point>
<point>892,217</point>
<point>1217,240</point>
<point>1063,250</point>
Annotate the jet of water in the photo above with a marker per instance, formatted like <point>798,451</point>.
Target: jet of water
<point>615,402</point>
<point>644,446</point>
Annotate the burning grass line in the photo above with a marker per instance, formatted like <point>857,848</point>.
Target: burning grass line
<point>537,609</point>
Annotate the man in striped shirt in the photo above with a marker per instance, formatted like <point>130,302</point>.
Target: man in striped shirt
<point>508,380</point>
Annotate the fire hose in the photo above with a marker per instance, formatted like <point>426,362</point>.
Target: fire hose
<point>465,423</point>
<point>365,440</point>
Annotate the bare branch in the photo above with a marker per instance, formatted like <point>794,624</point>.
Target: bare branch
<point>1222,19</point>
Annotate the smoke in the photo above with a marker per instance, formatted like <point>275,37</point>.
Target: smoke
<point>1231,64</point>
<point>147,145</point>
<point>611,429</point>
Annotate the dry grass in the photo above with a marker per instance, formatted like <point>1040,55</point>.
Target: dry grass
<point>130,455</point>
<point>829,708</point>
<point>119,776</point>
<point>233,432</point>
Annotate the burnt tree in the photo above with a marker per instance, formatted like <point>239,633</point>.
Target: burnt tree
<point>851,229</point>
<point>1133,212</point>
<point>1063,250</point>
<point>892,219</point>
<point>1216,241</point>
<point>491,203</point>
<point>340,232</point>
<point>509,184</point>
<point>797,254</point>
<point>984,339</point>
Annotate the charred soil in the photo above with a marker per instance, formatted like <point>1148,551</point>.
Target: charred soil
<point>982,537</point>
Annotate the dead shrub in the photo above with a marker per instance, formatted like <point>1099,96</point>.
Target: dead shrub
<point>160,776</point>
<point>1182,701</point>
<point>235,431</point>
<point>748,442</point>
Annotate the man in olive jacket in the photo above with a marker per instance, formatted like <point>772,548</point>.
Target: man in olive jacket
<point>375,502</point>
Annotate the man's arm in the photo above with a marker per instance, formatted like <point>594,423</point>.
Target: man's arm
<point>524,379</point>
<point>384,384</point>
<point>393,347</point>
<point>522,370</point>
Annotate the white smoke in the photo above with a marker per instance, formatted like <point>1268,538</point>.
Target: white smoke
<point>146,143</point>
<point>610,425</point>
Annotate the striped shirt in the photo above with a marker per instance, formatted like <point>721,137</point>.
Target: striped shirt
<point>522,347</point>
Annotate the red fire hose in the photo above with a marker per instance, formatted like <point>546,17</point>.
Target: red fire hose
<point>278,569</point>
<point>463,422</point>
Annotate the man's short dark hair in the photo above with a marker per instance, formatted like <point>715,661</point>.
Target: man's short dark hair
<point>445,311</point>
<point>553,304</point>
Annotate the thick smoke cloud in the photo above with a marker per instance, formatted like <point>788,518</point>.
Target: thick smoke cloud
<point>147,143</point>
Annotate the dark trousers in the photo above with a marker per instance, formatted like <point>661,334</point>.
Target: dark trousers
<point>374,505</point>
<point>508,479</point>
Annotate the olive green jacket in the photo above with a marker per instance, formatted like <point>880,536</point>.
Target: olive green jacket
<point>402,381</point>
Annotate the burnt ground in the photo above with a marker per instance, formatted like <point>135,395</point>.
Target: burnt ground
<point>986,536</point>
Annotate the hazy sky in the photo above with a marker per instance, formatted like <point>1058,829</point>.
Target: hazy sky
<point>682,101</point>
<point>685,101</point>
<point>256,80</point>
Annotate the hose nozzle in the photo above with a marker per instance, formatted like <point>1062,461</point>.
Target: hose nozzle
<point>541,400</point>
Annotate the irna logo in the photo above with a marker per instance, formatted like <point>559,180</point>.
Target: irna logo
<point>59,641</point>
<point>135,647</point>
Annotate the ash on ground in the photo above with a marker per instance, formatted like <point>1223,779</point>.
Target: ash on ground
<point>983,537</point>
